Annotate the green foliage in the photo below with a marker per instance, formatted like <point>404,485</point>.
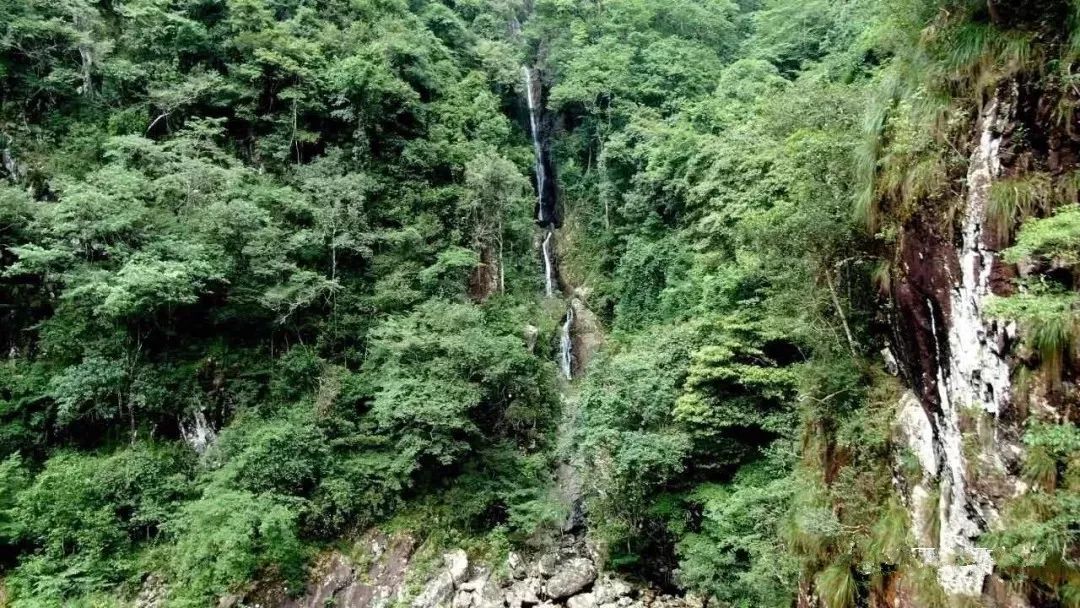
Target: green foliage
<point>13,479</point>
<point>836,586</point>
<point>442,379</point>
<point>1055,238</point>
<point>226,538</point>
<point>283,455</point>
<point>85,514</point>
<point>1039,528</point>
<point>1049,321</point>
<point>514,488</point>
<point>737,555</point>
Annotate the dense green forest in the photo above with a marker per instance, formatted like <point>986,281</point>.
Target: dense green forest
<point>270,275</point>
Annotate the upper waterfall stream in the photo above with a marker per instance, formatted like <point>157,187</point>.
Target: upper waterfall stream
<point>532,96</point>
<point>546,213</point>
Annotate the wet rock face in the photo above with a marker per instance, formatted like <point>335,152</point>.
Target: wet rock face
<point>920,294</point>
<point>487,278</point>
<point>959,424</point>
<point>198,432</point>
<point>955,362</point>
<point>341,582</point>
<point>564,576</point>
<point>588,333</point>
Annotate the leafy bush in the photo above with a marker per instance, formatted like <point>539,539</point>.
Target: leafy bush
<point>1053,238</point>
<point>1048,319</point>
<point>737,555</point>
<point>88,514</point>
<point>442,380</point>
<point>1040,527</point>
<point>225,539</point>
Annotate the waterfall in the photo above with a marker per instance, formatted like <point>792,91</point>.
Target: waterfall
<point>549,265</point>
<point>545,191</point>
<point>578,323</point>
<point>531,95</point>
<point>545,216</point>
<point>199,434</point>
<point>566,344</point>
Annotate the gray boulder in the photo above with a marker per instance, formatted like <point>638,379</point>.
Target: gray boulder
<point>525,592</point>
<point>572,576</point>
<point>439,591</point>
<point>582,600</point>
<point>608,590</point>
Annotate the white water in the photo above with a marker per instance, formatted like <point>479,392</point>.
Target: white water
<point>534,125</point>
<point>199,435</point>
<point>566,344</point>
<point>532,90</point>
<point>549,265</point>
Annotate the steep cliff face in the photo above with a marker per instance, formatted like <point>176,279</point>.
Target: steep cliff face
<point>962,422</point>
<point>961,368</point>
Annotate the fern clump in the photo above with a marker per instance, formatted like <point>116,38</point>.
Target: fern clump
<point>1015,199</point>
<point>1037,540</point>
<point>974,55</point>
<point>924,585</point>
<point>836,586</point>
<point>1049,320</point>
<point>812,532</point>
<point>914,167</point>
<point>932,514</point>
<point>889,539</point>
<point>1040,468</point>
<point>1053,238</point>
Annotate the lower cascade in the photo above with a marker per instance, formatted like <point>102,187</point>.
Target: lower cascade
<point>566,344</point>
<point>549,263</point>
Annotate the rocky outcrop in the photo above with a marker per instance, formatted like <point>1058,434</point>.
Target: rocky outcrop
<point>338,580</point>
<point>440,590</point>
<point>154,593</point>
<point>959,424</point>
<point>566,575</point>
<point>572,576</point>
<point>588,335</point>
